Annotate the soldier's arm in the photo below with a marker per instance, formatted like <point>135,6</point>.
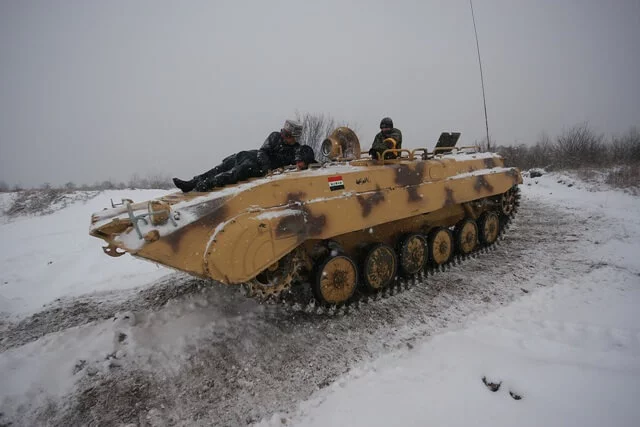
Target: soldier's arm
<point>378,145</point>
<point>264,153</point>
<point>397,135</point>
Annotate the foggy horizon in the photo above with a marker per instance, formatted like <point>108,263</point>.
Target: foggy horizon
<point>93,91</point>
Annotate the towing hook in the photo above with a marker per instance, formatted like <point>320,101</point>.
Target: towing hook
<point>113,250</point>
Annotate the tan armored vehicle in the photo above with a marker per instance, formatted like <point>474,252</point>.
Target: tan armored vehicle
<point>352,222</point>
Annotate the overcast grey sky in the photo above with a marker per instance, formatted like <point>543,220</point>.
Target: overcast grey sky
<point>92,90</point>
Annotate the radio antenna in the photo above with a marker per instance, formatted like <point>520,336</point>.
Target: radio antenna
<point>484,99</point>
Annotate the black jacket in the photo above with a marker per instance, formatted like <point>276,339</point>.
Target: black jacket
<point>379,146</point>
<point>275,153</point>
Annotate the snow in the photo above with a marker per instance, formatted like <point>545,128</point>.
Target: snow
<point>571,352</point>
<point>462,155</point>
<point>569,349</point>
<point>277,214</point>
<point>479,172</point>
<point>47,257</point>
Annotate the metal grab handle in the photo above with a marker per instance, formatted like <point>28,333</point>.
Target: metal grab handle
<point>424,151</point>
<point>397,151</point>
<point>135,218</point>
<point>437,149</point>
<point>114,205</point>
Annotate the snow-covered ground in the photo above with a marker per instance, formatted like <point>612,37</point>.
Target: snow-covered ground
<point>565,355</point>
<point>52,256</point>
<point>569,354</point>
<point>551,315</point>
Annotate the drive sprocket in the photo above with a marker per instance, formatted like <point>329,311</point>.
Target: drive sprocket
<point>278,277</point>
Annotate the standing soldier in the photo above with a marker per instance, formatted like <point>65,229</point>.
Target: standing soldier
<point>388,138</point>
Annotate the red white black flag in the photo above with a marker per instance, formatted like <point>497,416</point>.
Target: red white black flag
<point>335,183</point>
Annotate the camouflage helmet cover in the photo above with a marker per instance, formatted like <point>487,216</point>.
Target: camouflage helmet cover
<point>293,128</point>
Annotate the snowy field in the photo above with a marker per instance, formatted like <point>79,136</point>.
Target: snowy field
<point>551,316</point>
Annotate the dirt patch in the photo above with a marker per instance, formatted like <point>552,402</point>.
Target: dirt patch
<point>67,313</point>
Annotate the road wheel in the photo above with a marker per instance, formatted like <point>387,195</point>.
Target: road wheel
<point>412,254</point>
<point>489,227</point>
<point>336,279</point>
<point>466,235</point>
<point>440,244</point>
<point>379,267</point>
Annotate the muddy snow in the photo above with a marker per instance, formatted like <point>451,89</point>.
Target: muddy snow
<point>549,317</point>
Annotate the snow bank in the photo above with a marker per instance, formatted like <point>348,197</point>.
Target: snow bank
<point>46,257</point>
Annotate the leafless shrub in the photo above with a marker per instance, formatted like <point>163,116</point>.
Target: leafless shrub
<point>37,202</point>
<point>4,188</point>
<point>625,176</point>
<point>541,155</point>
<point>514,155</point>
<point>626,148</point>
<point>484,146</point>
<point>153,181</point>
<point>161,181</point>
<point>105,185</point>
<point>580,146</point>
<point>45,201</point>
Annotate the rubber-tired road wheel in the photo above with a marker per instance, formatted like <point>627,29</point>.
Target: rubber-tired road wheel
<point>412,254</point>
<point>440,243</point>
<point>379,267</point>
<point>489,227</point>
<point>336,279</point>
<point>466,235</point>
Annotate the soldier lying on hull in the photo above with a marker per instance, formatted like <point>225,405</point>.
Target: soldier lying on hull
<point>388,138</point>
<point>279,150</point>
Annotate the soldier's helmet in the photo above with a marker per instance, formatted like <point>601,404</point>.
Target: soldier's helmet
<point>386,123</point>
<point>305,154</point>
<point>292,128</point>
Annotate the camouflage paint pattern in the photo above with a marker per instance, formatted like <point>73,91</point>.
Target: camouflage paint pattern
<point>238,234</point>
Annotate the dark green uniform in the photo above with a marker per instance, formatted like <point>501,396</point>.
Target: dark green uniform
<point>379,146</point>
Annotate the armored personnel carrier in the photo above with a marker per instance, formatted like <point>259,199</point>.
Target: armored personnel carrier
<point>351,223</point>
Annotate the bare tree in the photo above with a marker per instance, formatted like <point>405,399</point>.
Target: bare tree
<point>317,127</point>
<point>4,188</point>
<point>161,181</point>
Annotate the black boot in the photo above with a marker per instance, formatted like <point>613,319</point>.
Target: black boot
<point>185,186</point>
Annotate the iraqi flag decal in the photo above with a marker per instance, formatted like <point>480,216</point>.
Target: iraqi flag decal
<point>335,183</point>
